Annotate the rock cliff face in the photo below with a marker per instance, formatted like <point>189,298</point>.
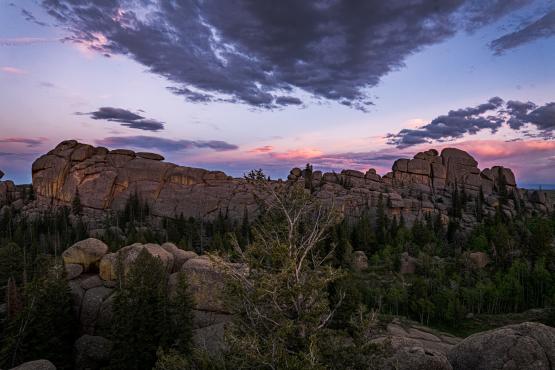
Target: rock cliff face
<point>422,185</point>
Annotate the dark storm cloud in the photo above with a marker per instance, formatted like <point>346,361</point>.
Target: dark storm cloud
<point>518,112</point>
<point>18,155</point>
<point>454,125</point>
<point>256,53</point>
<point>125,118</point>
<point>31,18</point>
<point>543,118</point>
<point>541,28</point>
<point>288,100</point>
<point>488,116</point>
<point>165,145</point>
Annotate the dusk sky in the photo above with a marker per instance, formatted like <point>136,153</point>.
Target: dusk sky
<point>236,84</point>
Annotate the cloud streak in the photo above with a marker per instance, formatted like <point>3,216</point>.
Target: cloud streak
<point>30,142</point>
<point>543,27</point>
<point>165,145</point>
<point>247,52</point>
<point>13,70</point>
<point>125,118</point>
<point>21,41</point>
<point>491,116</point>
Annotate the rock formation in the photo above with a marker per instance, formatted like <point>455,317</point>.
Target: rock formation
<point>513,347</point>
<point>92,352</point>
<point>422,185</point>
<point>92,287</point>
<point>413,346</point>
<point>11,195</point>
<point>36,365</point>
<point>416,347</point>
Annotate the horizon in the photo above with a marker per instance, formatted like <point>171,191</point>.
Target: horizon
<point>228,86</point>
<point>532,186</point>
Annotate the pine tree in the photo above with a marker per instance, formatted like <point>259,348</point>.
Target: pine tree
<point>14,304</point>
<point>11,263</point>
<point>381,221</point>
<point>140,314</point>
<point>45,328</point>
<point>182,305</point>
<point>245,229</point>
<point>307,173</point>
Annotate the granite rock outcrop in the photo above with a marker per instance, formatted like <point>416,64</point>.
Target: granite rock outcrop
<point>424,184</point>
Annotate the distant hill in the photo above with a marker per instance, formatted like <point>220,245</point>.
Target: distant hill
<point>538,186</point>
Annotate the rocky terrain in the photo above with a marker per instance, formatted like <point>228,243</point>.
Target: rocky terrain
<point>91,277</point>
<point>105,179</point>
<point>91,274</point>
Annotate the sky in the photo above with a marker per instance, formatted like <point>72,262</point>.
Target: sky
<point>234,85</point>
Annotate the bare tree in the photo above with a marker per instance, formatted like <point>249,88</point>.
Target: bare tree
<point>281,301</point>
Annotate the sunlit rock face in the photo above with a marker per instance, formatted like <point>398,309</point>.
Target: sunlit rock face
<point>415,187</point>
<point>106,179</point>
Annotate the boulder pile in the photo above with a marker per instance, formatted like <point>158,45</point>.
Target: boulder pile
<point>91,273</point>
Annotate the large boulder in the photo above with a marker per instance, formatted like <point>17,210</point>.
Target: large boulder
<point>479,259</point>
<point>180,256</point>
<point>130,253</point>
<point>206,277</point>
<point>408,264</point>
<point>1,174</point>
<point>409,354</point>
<point>400,165</point>
<point>419,167</point>
<point>73,270</point>
<point>506,173</point>
<point>92,352</point>
<point>359,261</point>
<point>90,307</point>
<point>36,365</point>
<point>210,338</point>
<point>206,281</point>
<point>86,253</point>
<point>127,255</point>
<point>514,347</point>
<point>108,267</point>
<point>458,164</point>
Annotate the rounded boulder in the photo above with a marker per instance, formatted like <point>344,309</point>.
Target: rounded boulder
<point>86,253</point>
<point>528,345</point>
<point>36,365</point>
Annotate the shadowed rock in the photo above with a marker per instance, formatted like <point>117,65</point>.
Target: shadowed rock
<point>36,365</point>
<point>514,347</point>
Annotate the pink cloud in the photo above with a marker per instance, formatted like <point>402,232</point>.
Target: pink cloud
<point>532,161</point>
<point>495,149</point>
<point>298,154</point>
<point>97,42</point>
<point>13,70</point>
<point>262,149</point>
